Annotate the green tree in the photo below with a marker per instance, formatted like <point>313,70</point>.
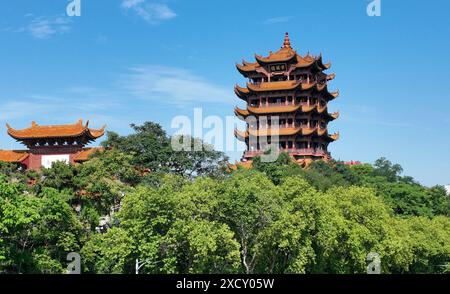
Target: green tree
<point>109,253</point>
<point>151,149</point>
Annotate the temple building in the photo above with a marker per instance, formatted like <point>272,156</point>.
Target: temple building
<point>48,144</point>
<point>293,89</point>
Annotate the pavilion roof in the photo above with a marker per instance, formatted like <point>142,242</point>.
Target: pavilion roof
<point>285,109</point>
<point>13,155</point>
<point>301,131</point>
<point>243,92</point>
<point>56,131</point>
<point>284,54</point>
<point>84,154</point>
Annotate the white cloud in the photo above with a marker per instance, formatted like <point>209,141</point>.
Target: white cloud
<point>153,13</point>
<point>131,3</point>
<point>45,27</point>
<point>278,19</point>
<point>174,85</point>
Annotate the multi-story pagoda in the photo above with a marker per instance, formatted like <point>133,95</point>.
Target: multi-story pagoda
<point>294,89</point>
<point>47,144</point>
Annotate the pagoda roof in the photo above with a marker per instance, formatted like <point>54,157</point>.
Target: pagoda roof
<point>243,92</point>
<point>274,86</point>
<point>284,109</point>
<point>284,54</point>
<point>241,136</point>
<point>319,132</point>
<point>13,156</point>
<point>56,131</point>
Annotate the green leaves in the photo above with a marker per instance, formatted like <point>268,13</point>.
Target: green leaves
<point>150,149</point>
<point>176,212</point>
<point>36,231</point>
<point>109,253</point>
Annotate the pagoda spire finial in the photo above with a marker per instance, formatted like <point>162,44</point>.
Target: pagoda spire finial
<point>287,42</point>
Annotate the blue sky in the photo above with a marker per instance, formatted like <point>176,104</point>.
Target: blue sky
<point>128,61</point>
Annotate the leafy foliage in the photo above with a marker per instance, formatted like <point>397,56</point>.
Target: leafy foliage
<point>179,212</point>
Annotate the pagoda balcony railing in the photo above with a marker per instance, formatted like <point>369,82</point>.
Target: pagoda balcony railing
<point>291,151</point>
<point>285,104</point>
<point>290,126</point>
<point>302,79</point>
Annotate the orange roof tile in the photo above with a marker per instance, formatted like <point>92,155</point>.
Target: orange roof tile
<point>286,132</point>
<point>55,131</point>
<point>335,136</point>
<point>241,92</point>
<point>284,54</point>
<point>335,115</point>
<point>301,62</point>
<point>241,112</point>
<point>244,164</point>
<point>273,109</point>
<point>279,132</point>
<point>247,66</point>
<point>240,135</point>
<point>13,156</point>
<point>283,108</point>
<point>274,86</point>
<point>84,154</point>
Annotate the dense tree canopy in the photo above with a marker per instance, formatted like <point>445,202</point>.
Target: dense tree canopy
<point>181,212</point>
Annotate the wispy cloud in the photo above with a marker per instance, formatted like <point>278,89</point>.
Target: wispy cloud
<point>278,19</point>
<point>151,12</point>
<point>44,27</point>
<point>173,85</point>
<point>59,105</point>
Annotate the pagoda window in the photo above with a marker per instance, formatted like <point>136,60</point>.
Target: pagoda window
<point>290,121</point>
<point>290,144</point>
<point>282,145</point>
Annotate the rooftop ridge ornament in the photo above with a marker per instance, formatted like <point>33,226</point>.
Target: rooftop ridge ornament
<point>287,41</point>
